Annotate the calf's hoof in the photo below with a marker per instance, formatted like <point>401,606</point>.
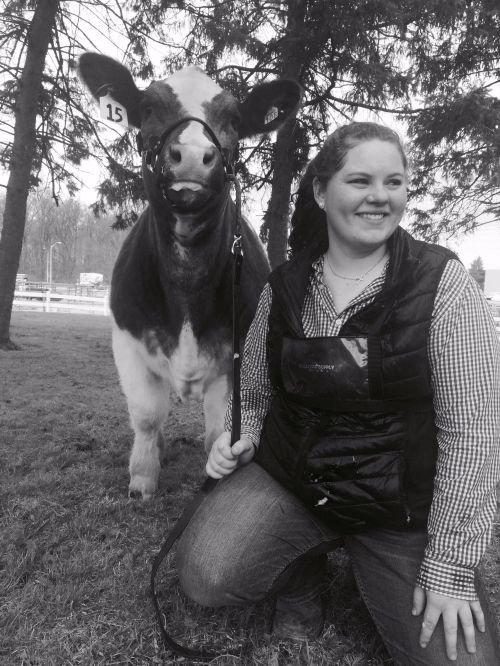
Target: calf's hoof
<point>141,487</point>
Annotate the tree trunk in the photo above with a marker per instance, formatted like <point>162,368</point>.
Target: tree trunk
<point>23,147</point>
<point>278,211</point>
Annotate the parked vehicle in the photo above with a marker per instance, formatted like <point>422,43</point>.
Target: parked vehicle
<point>21,281</point>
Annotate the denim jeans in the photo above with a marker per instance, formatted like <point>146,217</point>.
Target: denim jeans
<point>251,538</point>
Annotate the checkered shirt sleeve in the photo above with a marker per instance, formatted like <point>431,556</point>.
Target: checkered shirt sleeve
<point>255,387</point>
<point>464,355</point>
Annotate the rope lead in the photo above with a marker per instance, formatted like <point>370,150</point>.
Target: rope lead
<point>209,484</point>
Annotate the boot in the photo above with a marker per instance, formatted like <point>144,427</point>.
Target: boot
<point>298,620</point>
<point>298,614</point>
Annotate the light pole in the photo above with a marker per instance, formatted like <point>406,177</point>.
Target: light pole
<point>49,276</point>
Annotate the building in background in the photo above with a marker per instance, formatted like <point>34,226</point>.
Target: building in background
<point>492,284</point>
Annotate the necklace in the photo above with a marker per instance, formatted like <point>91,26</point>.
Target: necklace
<point>358,278</point>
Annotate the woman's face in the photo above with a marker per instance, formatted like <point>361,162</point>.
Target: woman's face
<point>364,201</point>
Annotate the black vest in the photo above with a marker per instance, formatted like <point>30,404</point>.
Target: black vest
<point>351,428</point>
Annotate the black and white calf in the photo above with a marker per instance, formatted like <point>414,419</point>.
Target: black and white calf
<point>171,286</point>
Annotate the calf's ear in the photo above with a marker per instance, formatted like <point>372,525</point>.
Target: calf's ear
<point>268,106</point>
<point>102,75</point>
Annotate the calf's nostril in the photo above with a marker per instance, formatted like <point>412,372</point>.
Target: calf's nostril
<point>191,157</point>
<point>175,154</point>
<point>209,156</point>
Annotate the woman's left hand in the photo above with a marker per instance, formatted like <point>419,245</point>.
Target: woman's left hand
<point>452,609</point>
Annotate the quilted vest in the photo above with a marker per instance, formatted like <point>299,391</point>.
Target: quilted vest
<point>351,428</point>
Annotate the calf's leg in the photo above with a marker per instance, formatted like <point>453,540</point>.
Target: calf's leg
<point>148,398</point>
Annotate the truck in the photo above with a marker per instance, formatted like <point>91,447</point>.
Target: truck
<point>21,282</point>
<point>91,279</point>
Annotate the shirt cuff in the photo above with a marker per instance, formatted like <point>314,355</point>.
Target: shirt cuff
<point>247,431</point>
<point>253,436</point>
<point>449,579</point>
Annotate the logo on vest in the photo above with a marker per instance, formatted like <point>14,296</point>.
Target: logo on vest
<point>317,367</point>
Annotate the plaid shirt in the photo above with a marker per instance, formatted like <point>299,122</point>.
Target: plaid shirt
<point>464,357</point>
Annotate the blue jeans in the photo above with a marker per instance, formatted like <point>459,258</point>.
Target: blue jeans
<point>251,538</point>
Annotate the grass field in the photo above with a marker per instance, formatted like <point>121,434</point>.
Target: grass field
<point>76,553</point>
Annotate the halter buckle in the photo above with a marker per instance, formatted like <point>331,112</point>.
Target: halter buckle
<point>236,247</point>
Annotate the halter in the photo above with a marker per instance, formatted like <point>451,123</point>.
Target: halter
<point>152,154</point>
<point>153,165</point>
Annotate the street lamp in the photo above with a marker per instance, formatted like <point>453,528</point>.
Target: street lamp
<point>49,275</point>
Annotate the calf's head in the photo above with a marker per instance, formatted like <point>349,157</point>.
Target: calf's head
<point>189,127</point>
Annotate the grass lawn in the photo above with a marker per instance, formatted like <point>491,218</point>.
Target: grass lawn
<point>76,553</point>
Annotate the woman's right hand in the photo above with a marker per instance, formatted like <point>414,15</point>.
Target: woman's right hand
<point>224,458</point>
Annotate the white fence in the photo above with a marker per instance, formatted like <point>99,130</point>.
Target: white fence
<point>47,300</point>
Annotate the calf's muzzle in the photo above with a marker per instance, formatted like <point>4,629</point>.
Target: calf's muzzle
<point>186,174</point>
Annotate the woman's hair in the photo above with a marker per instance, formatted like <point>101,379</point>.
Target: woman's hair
<point>308,223</point>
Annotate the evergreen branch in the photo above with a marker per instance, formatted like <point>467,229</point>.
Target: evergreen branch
<point>362,105</point>
<point>242,68</point>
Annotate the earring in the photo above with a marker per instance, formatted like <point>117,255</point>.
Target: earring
<point>321,205</point>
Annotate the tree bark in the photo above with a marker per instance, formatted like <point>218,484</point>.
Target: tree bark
<point>23,148</point>
<point>278,211</point>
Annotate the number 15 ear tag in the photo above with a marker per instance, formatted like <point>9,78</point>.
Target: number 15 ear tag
<point>112,110</point>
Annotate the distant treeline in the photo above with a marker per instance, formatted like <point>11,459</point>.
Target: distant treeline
<point>88,243</point>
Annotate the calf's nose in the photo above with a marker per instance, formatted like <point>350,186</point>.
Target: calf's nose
<point>185,155</point>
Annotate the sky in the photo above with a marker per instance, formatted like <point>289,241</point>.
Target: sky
<point>484,243</point>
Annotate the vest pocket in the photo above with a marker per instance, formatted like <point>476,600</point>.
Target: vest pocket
<point>359,489</point>
<point>332,366</point>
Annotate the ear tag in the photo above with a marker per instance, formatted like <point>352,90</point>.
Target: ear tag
<point>271,115</point>
<point>112,111</point>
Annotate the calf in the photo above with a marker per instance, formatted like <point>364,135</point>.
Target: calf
<point>171,286</point>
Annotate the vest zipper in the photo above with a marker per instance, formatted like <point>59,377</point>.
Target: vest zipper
<point>304,451</point>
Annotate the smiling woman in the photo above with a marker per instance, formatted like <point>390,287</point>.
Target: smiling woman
<point>363,202</point>
<point>370,418</point>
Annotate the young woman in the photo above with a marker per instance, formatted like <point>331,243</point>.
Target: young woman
<point>370,419</point>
